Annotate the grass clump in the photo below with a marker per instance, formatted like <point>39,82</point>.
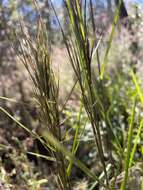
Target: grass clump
<point>81,48</point>
<point>39,65</point>
<point>108,113</point>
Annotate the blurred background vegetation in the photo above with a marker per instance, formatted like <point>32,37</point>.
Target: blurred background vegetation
<point>20,166</point>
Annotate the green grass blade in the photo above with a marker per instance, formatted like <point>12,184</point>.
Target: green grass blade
<point>26,128</point>
<point>139,91</point>
<point>69,156</point>
<point>42,156</point>
<point>15,120</point>
<point>115,21</point>
<point>136,142</point>
<point>102,175</point>
<point>75,142</point>
<point>128,154</point>
<point>12,100</point>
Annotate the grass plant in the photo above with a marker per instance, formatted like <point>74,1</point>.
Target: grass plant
<point>38,64</point>
<point>81,49</point>
<point>82,45</point>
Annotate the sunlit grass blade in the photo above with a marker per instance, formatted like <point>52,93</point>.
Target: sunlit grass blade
<point>76,137</point>
<point>15,120</point>
<point>43,156</point>
<point>32,133</point>
<point>138,88</point>
<point>97,46</point>
<point>69,156</point>
<point>102,175</point>
<point>129,144</point>
<point>12,100</point>
<point>137,137</point>
<point>8,99</point>
<point>68,97</point>
<point>115,21</point>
